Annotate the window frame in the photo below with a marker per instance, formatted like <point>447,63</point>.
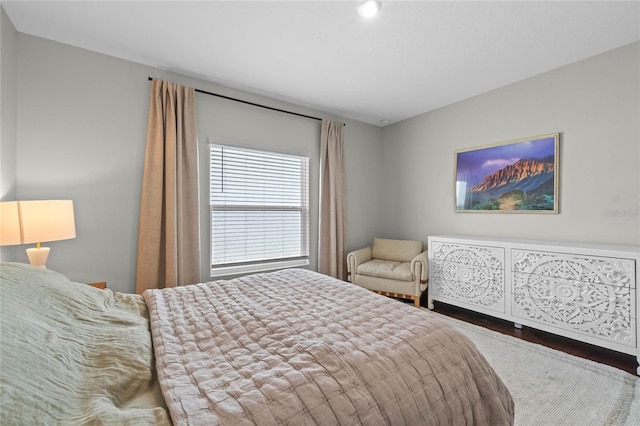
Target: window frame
<point>246,267</point>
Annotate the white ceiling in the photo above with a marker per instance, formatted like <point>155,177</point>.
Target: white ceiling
<point>414,57</point>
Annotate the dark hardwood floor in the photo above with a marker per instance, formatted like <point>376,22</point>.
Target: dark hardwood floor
<point>584,350</point>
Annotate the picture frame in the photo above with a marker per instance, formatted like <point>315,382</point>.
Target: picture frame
<point>519,176</point>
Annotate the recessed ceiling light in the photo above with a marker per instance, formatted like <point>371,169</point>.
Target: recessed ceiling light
<point>385,121</point>
<point>369,8</point>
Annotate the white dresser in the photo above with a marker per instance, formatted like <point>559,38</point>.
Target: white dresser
<point>583,291</point>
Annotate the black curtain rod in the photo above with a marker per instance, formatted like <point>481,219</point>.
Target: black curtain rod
<point>253,104</point>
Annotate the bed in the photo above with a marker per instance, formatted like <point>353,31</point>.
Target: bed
<point>291,347</point>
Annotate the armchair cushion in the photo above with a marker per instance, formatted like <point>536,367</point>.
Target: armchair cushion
<point>395,250</point>
<point>386,269</point>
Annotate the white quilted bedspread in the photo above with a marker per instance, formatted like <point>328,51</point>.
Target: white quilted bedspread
<point>298,348</point>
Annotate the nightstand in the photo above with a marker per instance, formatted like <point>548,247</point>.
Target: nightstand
<point>100,284</point>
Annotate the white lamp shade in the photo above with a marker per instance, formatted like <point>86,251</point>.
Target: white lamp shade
<point>47,220</point>
<point>9,224</point>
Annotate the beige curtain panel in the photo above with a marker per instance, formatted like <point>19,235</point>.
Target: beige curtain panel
<point>169,238</point>
<point>331,251</point>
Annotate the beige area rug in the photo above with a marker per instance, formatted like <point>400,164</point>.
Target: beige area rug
<point>552,388</point>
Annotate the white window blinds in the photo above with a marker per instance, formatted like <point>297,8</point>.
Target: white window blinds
<point>259,210</point>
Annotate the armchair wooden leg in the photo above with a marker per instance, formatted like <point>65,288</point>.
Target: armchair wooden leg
<point>416,301</point>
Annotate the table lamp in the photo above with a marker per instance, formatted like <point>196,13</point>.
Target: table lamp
<point>37,222</point>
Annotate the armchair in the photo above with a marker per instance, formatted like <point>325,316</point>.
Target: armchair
<point>396,268</point>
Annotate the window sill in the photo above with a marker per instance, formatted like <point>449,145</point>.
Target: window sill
<point>261,267</point>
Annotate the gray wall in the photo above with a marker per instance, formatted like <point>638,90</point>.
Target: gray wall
<point>79,119</point>
<point>82,120</point>
<point>8,117</point>
<point>594,104</point>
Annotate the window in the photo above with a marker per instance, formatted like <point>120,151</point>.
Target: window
<point>259,210</point>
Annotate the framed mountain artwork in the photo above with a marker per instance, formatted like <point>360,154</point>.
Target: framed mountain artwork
<point>519,176</point>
